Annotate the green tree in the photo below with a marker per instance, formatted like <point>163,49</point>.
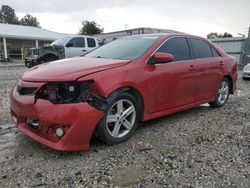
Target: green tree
<point>90,28</point>
<point>30,21</point>
<point>8,15</point>
<point>214,35</point>
<point>226,34</point>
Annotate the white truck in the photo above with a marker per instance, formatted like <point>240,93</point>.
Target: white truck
<point>59,49</point>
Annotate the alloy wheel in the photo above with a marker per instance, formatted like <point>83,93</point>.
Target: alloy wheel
<point>121,118</point>
<point>223,92</point>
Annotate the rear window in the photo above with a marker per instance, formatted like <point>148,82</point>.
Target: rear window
<point>91,42</point>
<point>201,48</point>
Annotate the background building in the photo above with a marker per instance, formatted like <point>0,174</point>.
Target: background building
<point>232,45</point>
<point>235,46</point>
<point>14,38</point>
<point>239,47</point>
<point>104,38</point>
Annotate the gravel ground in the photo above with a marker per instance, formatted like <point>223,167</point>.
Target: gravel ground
<point>200,147</point>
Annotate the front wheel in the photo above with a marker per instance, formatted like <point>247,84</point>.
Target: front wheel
<point>120,120</point>
<point>222,94</point>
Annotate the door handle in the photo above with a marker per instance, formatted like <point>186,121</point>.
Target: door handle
<point>191,67</point>
<point>221,63</point>
<point>84,50</point>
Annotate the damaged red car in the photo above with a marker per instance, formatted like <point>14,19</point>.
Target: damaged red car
<point>62,104</point>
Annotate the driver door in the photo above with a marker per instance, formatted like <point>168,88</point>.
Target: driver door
<point>171,84</point>
<point>75,47</point>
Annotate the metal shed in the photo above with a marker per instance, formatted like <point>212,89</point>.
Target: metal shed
<point>104,38</point>
<point>233,46</point>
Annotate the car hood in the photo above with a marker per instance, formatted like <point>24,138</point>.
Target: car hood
<point>70,69</point>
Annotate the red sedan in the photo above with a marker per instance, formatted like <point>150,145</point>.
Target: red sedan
<point>64,103</point>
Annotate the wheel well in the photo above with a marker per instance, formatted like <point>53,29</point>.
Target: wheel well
<point>49,57</point>
<point>230,82</point>
<point>137,95</point>
<point>131,91</point>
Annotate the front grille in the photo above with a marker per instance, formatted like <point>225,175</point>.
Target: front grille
<point>27,90</point>
<point>28,52</point>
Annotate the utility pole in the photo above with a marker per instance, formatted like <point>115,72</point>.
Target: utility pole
<point>245,49</point>
<point>240,66</point>
<point>248,33</point>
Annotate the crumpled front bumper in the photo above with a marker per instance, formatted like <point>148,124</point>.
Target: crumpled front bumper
<point>78,120</point>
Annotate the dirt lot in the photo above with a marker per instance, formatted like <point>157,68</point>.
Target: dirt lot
<point>201,147</point>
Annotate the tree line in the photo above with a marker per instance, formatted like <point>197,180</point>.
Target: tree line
<point>214,35</point>
<point>8,15</point>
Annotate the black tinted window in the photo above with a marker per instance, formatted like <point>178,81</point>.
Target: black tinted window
<point>178,47</point>
<point>215,53</point>
<point>77,42</point>
<point>201,48</point>
<point>91,42</point>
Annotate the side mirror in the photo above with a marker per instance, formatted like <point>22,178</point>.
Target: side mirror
<point>69,44</point>
<point>160,57</point>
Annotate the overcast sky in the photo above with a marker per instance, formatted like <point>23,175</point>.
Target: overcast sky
<point>197,17</point>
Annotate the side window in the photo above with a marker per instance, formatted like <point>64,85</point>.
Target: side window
<point>201,48</point>
<point>77,42</point>
<point>91,42</point>
<point>215,53</point>
<point>178,47</point>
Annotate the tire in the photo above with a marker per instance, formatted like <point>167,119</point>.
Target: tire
<point>222,94</point>
<point>117,125</point>
<point>27,65</point>
<point>42,60</point>
<point>47,58</point>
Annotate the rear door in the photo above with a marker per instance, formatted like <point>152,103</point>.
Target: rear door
<point>207,66</point>
<point>171,84</point>
<point>91,44</point>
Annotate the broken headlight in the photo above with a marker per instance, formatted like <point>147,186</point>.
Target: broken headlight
<point>64,92</point>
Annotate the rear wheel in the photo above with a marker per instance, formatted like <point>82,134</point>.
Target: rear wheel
<point>222,94</point>
<point>120,120</point>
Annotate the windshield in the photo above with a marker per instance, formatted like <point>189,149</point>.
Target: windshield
<point>126,48</point>
<point>60,42</point>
